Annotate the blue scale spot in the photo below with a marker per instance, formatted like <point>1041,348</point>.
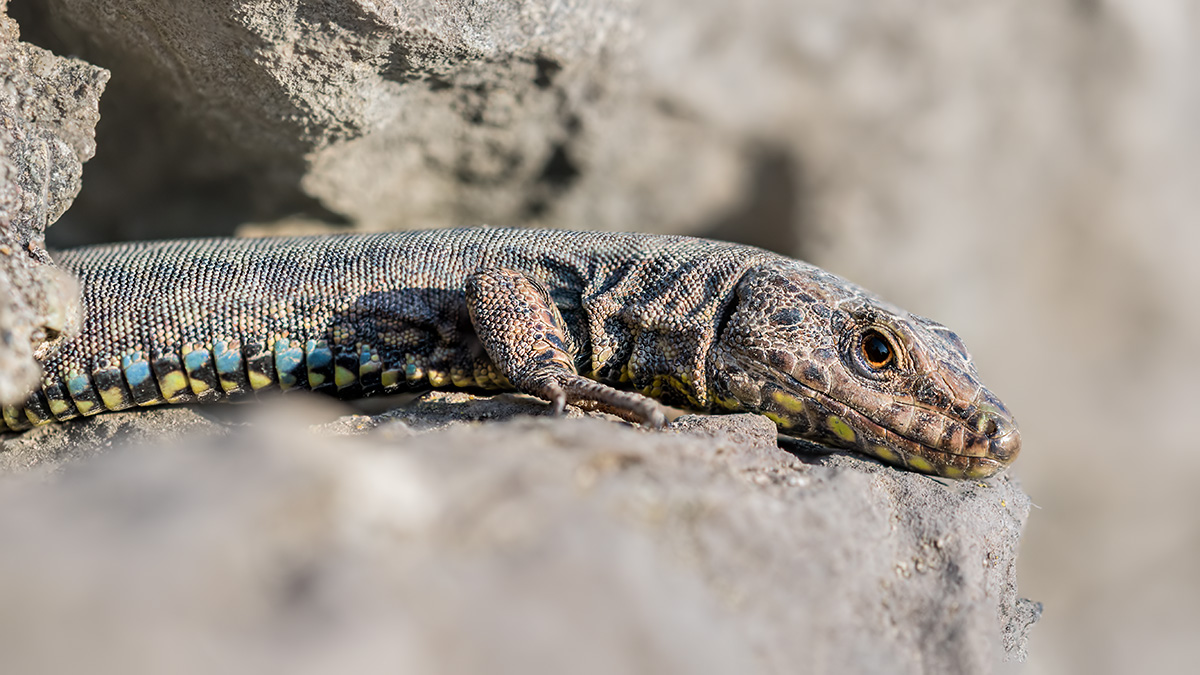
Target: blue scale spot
<point>229,362</point>
<point>410,370</point>
<point>136,372</point>
<point>288,359</point>
<point>319,354</point>
<point>195,359</point>
<point>78,385</point>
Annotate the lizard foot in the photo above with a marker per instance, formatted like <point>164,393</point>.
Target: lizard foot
<point>523,333</point>
<point>563,388</point>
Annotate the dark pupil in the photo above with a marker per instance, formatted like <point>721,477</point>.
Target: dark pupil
<point>876,349</point>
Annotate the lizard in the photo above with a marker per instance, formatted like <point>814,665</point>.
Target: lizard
<point>617,322</point>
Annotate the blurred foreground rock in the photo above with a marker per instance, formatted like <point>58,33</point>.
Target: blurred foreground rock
<point>422,540</point>
<point>48,108</point>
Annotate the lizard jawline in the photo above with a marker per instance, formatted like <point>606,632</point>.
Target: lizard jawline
<point>885,444</point>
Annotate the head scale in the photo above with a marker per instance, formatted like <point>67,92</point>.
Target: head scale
<point>831,363</point>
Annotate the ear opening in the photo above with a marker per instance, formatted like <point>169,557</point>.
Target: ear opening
<point>732,302</point>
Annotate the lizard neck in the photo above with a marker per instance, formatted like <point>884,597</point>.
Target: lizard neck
<point>656,338</point>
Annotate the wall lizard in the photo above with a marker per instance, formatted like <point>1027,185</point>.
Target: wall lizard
<point>604,321</point>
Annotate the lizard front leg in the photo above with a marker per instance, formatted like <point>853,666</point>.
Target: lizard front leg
<point>525,336</point>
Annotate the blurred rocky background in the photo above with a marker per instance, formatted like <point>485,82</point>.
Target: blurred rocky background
<point>1024,173</point>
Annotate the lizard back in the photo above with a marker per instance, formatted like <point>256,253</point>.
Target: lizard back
<point>353,315</point>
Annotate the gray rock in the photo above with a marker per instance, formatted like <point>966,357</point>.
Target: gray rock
<point>597,114</point>
<point>459,112</point>
<point>48,107</point>
<point>465,535</point>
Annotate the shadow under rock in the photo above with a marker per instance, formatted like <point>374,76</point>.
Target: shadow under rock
<point>771,214</point>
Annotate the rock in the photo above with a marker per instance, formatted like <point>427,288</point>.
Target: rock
<point>458,111</point>
<point>601,115</point>
<point>787,124</point>
<point>50,449</point>
<point>516,544</point>
<point>48,107</point>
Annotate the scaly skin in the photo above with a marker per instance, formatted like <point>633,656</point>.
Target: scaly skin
<point>793,350</point>
<point>600,320</point>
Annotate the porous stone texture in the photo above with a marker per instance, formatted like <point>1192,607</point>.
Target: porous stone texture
<point>392,114</point>
<point>461,535</point>
<point>48,108</point>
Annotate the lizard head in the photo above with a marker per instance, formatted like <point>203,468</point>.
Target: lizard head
<point>829,362</point>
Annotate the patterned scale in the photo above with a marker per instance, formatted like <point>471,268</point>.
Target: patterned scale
<point>349,315</point>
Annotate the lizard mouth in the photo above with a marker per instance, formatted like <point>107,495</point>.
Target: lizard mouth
<point>799,410</point>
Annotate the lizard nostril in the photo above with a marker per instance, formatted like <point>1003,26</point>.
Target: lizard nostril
<point>990,427</point>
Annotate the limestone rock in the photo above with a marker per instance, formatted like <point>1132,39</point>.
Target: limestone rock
<point>48,108</point>
<point>397,114</point>
<point>465,535</point>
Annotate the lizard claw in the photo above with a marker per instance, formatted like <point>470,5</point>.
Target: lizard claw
<point>656,420</point>
<point>558,403</point>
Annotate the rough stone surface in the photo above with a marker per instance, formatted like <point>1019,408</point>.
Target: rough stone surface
<point>462,535</point>
<point>765,120</point>
<point>48,108</point>
<point>458,111</point>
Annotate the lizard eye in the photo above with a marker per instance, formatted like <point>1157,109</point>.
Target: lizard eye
<point>876,349</point>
